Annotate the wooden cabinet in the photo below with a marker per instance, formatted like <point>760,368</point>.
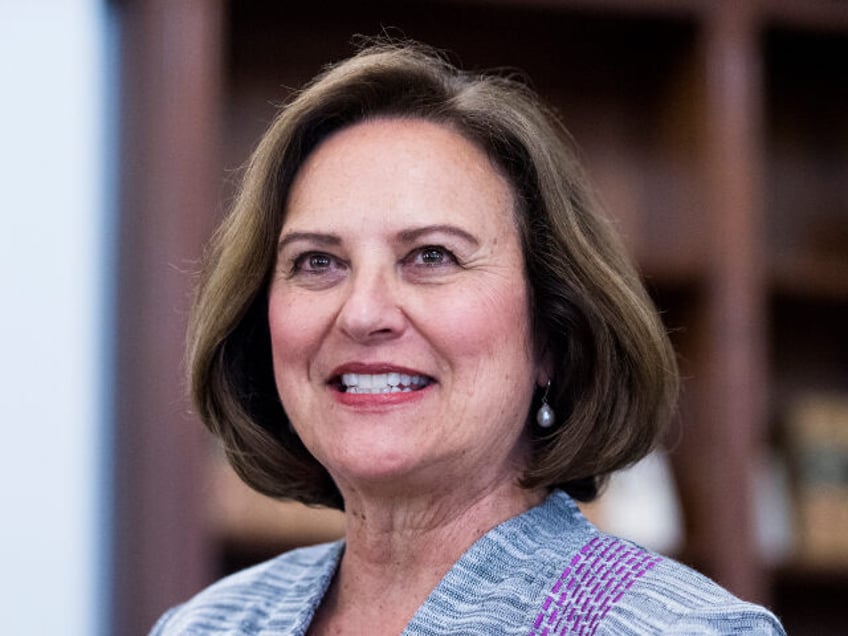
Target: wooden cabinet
<point>716,133</point>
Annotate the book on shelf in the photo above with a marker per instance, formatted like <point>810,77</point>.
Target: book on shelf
<point>817,428</point>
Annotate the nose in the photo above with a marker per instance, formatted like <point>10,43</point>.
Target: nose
<point>371,311</point>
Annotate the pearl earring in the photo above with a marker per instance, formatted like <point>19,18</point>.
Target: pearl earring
<point>545,415</point>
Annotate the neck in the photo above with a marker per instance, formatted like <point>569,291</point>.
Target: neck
<point>379,531</point>
<point>397,550</point>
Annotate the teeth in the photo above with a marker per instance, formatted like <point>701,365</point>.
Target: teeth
<point>382,382</point>
<point>350,380</point>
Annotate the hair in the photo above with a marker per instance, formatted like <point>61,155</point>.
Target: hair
<point>614,374</point>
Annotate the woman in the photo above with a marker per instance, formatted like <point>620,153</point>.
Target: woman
<point>415,313</point>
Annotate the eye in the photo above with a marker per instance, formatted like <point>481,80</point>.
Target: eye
<point>314,263</point>
<point>432,256</point>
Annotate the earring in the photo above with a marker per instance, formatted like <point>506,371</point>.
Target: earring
<point>545,415</point>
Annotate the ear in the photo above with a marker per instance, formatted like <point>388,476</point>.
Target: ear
<point>544,368</point>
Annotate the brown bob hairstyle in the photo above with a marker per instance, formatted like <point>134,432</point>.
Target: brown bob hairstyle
<point>615,378</point>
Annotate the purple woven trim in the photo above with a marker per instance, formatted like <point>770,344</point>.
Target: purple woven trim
<point>593,582</point>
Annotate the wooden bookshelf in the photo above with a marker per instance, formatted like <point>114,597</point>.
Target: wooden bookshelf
<point>715,132</point>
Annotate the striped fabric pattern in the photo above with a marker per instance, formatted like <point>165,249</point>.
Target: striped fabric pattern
<point>546,572</point>
<point>594,581</point>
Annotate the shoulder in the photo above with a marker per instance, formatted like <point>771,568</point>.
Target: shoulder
<point>283,590</point>
<point>609,585</point>
<point>672,598</point>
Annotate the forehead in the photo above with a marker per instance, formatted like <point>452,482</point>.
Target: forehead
<point>400,165</point>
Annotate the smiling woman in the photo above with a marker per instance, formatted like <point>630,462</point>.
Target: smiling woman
<point>413,271</point>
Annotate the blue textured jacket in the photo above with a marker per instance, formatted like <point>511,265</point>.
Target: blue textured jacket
<point>545,572</point>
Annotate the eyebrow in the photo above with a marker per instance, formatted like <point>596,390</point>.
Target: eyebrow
<point>312,237</point>
<point>408,236</point>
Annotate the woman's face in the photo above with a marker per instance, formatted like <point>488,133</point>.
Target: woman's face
<point>399,311</point>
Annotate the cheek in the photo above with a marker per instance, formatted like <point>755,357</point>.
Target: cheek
<point>280,326</point>
<point>490,324</point>
<point>293,330</point>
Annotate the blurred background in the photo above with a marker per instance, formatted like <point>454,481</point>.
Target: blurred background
<point>715,132</point>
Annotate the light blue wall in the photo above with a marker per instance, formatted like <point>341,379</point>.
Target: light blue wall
<point>55,276</point>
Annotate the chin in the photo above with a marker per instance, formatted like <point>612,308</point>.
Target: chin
<point>394,470</point>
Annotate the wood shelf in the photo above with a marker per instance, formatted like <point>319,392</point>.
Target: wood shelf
<point>811,601</point>
<point>809,276</point>
<point>805,157</point>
